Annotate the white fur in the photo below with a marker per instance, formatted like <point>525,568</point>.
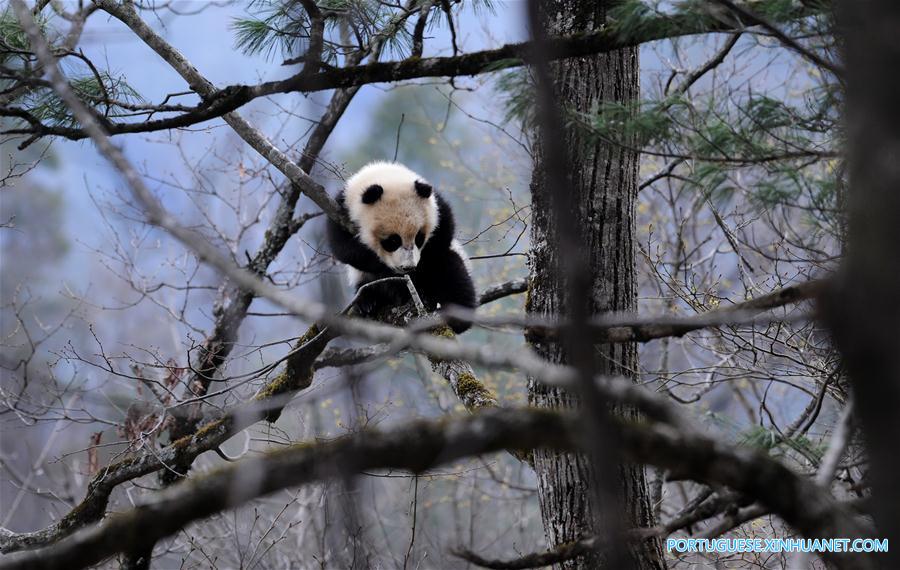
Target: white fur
<point>355,276</point>
<point>391,176</point>
<point>400,209</point>
<point>458,248</point>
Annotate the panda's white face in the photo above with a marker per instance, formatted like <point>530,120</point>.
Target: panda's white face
<point>395,210</point>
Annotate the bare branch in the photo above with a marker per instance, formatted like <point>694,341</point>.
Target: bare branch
<point>425,444</point>
<point>625,328</point>
<point>750,18</point>
<point>502,290</point>
<point>836,447</point>
<point>224,101</point>
<point>129,16</point>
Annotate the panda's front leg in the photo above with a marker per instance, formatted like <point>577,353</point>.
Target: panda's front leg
<point>376,293</point>
<point>446,282</point>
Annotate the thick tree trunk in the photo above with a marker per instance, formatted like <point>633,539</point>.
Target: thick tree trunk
<point>603,180</point>
<point>863,310</point>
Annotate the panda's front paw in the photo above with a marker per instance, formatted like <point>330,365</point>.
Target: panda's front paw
<point>374,298</point>
<point>458,326</point>
<point>367,304</point>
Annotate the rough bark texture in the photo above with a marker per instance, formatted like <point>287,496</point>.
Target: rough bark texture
<point>863,310</point>
<point>604,185</point>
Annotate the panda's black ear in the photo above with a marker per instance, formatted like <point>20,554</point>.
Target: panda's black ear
<point>372,194</point>
<point>423,189</point>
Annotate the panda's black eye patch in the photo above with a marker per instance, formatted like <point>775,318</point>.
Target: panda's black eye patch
<point>423,189</point>
<point>391,243</point>
<point>420,239</point>
<point>372,194</point>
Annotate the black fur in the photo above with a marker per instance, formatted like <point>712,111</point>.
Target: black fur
<point>372,194</point>
<point>440,278</point>
<point>423,189</point>
<point>348,249</point>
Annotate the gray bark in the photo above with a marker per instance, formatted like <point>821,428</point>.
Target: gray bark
<point>603,181</point>
<point>863,311</point>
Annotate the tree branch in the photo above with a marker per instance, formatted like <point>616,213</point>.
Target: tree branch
<point>502,290</point>
<point>588,545</point>
<point>626,328</point>
<point>307,356</point>
<point>751,18</point>
<point>222,102</point>
<point>93,507</point>
<point>258,141</point>
<point>421,445</point>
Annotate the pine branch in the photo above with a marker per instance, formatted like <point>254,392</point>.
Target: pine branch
<point>217,103</point>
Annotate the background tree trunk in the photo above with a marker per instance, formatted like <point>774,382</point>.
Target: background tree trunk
<point>604,186</point>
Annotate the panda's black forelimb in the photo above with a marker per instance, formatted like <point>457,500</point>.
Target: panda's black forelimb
<point>442,280</point>
<point>347,248</point>
<point>441,277</point>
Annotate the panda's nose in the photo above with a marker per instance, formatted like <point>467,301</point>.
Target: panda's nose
<point>407,261</point>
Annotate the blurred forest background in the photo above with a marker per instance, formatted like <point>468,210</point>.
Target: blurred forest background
<point>103,318</point>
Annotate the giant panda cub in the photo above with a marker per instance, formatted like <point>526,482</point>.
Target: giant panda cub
<point>402,227</point>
